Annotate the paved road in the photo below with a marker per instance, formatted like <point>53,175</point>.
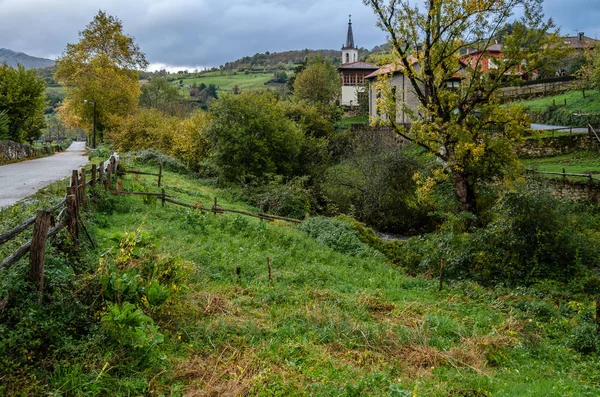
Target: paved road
<point>23,179</point>
<point>556,127</point>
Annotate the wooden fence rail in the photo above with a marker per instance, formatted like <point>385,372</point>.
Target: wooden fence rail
<point>563,174</point>
<point>214,209</point>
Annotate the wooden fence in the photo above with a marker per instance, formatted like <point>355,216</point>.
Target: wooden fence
<point>563,174</point>
<point>45,224</point>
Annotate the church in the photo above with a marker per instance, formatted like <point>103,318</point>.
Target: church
<point>353,73</point>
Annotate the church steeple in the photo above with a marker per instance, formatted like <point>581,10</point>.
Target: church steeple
<point>349,51</point>
<point>350,35</point>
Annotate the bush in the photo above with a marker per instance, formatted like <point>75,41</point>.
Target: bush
<point>155,158</point>
<point>337,235</point>
<point>376,186</point>
<point>291,198</point>
<point>584,339</point>
<point>250,135</point>
<point>532,237</point>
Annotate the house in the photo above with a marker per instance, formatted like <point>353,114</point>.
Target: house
<point>353,72</point>
<point>406,100</point>
<point>488,60</point>
<point>402,91</point>
<point>580,42</point>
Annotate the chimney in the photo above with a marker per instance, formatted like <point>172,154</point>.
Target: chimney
<point>580,36</point>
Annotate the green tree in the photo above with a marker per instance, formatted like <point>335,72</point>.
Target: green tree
<point>466,129</point>
<point>211,90</point>
<point>162,95</point>
<point>250,135</point>
<point>3,126</point>
<point>102,68</point>
<point>22,101</point>
<point>318,82</point>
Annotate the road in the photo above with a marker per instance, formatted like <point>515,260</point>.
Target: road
<point>557,128</point>
<point>20,180</point>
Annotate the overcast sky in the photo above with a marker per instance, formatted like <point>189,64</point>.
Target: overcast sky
<point>205,33</point>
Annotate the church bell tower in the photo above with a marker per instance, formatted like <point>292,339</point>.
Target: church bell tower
<point>349,51</point>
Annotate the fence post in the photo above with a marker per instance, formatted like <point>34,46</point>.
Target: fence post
<point>215,207</point>
<point>269,266</point>
<point>564,176</point>
<point>37,252</point>
<point>107,180</point>
<point>101,172</point>
<point>74,183</point>
<point>72,226</point>
<point>442,269</point>
<point>160,168</point>
<point>260,212</point>
<point>94,174</point>
<point>82,186</point>
<point>162,196</point>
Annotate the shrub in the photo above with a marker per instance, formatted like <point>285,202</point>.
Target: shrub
<point>584,339</point>
<point>250,135</point>
<point>377,187</point>
<point>155,158</point>
<point>337,235</point>
<point>533,237</point>
<point>291,198</point>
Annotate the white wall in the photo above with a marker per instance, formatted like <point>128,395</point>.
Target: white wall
<point>350,93</point>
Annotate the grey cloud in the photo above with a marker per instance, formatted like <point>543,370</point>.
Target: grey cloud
<point>212,32</point>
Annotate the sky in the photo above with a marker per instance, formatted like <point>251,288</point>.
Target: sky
<point>189,34</point>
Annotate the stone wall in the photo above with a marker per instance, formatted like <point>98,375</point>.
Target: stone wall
<point>573,189</point>
<point>12,151</point>
<point>556,145</point>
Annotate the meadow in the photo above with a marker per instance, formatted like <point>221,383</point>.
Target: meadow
<point>333,318</point>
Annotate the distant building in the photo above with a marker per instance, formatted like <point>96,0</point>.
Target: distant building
<point>353,72</point>
<point>580,42</point>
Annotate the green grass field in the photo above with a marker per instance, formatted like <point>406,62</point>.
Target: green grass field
<point>328,324</point>
<point>225,83</point>
<point>575,163</point>
<point>576,103</point>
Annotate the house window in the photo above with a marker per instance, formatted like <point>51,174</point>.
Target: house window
<point>347,57</point>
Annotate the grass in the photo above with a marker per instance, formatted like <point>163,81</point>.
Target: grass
<point>347,122</point>
<point>327,324</point>
<point>226,82</point>
<point>576,103</point>
<point>575,163</point>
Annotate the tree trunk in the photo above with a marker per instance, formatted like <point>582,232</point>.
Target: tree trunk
<point>465,192</point>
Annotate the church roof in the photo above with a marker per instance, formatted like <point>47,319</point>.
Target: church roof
<point>358,65</point>
<point>349,36</point>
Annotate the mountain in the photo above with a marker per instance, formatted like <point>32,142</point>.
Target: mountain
<point>18,58</point>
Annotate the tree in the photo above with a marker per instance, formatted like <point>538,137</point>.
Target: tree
<point>101,68</point>
<point>162,95</point>
<point>466,128</point>
<point>211,90</point>
<point>250,135</point>
<point>22,102</point>
<point>3,126</point>
<point>589,69</point>
<point>318,82</point>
